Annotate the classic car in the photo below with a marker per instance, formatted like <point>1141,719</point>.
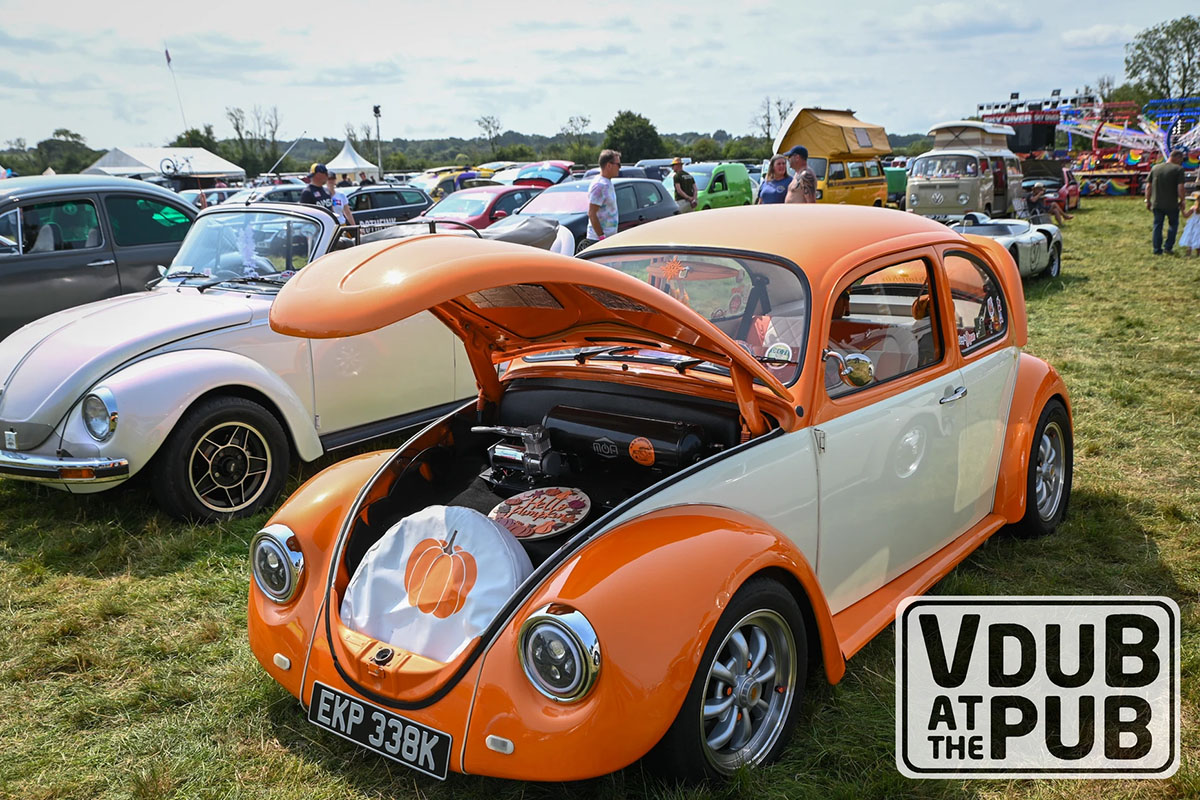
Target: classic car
<point>189,382</point>
<point>1035,246</point>
<point>1063,189</point>
<point>717,185</point>
<point>639,200</point>
<point>480,206</point>
<point>66,240</point>
<point>278,193</point>
<point>543,173</point>
<point>704,454</point>
<point>212,197</point>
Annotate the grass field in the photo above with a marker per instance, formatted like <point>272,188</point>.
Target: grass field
<point>124,669</point>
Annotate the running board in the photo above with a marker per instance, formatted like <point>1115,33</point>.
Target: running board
<point>383,427</point>
<point>857,624</point>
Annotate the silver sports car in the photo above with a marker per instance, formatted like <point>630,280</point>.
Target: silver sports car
<point>1036,247</point>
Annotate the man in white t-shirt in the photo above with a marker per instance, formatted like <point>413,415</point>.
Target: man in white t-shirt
<point>602,200</point>
<point>341,205</point>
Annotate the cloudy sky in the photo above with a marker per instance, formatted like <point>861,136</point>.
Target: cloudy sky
<point>99,69</point>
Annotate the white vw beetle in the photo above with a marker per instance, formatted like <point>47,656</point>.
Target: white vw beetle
<point>189,381</point>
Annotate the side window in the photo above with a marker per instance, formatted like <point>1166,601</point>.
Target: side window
<point>719,184</point>
<point>856,169</point>
<point>873,169</point>
<point>837,171</point>
<point>360,202</point>
<point>141,220</point>
<point>509,202</point>
<point>980,314</point>
<point>626,204</point>
<point>412,198</point>
<point>10,234</point>
<point>647,195</point>
<point>386,199</point>
<point>889,317</point>
<point>62,225</point>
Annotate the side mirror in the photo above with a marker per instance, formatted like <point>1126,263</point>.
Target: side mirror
<point>162,270</point>
<point>855,369</point>
<point>499,214</point>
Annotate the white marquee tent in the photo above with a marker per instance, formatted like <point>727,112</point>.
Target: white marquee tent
<point>191,162</point>
<point>349,162</point>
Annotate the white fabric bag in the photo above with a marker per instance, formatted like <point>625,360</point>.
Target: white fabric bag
<point>434,581</point>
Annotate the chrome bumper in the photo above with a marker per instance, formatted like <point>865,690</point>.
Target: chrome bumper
<point>27,467</point>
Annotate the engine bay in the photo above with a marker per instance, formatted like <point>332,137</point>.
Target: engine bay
<point>554,457</point>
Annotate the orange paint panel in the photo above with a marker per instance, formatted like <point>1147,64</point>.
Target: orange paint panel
<point>1037,384</point>
<point>653,589</point>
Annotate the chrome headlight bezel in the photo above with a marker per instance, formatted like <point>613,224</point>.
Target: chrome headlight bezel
<point>280,541</point>
<point>963,198</point>
<point>105,420</point>
<point>913,199</point>
<point>582,644</point>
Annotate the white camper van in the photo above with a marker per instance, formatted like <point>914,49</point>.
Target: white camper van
<point>970,168</point>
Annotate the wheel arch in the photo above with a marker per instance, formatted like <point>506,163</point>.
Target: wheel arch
<point>1037,384</point>
<point>682,564</point>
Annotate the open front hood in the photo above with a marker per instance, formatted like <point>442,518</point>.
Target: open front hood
<point>503,301</point>
<point>47,365</point>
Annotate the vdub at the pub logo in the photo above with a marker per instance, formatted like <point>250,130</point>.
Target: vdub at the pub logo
<point>1037,687</point>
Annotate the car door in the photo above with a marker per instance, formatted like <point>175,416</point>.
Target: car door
<point>718,189</point>
<point>414,203</point>
<point>146,234</point>
<point>626,207</point>
<point>887,450</point>
<point>60,256</point>
<point>835,187</point>
<point>989,370</point>
<point>652,202</point>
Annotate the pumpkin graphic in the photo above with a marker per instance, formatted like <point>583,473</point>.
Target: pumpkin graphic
<point>439,576</point>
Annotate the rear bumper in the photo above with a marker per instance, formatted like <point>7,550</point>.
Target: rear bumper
<point>43,469</point>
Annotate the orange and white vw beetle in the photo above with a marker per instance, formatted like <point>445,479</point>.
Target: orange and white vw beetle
<point>706,455</point>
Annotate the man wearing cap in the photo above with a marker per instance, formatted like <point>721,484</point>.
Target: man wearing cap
<point>803,188</point>
<point>685,187</point>
<point>315,193</point>
<point>1164,195</point>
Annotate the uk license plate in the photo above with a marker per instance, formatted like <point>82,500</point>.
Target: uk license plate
<point>412,744</point>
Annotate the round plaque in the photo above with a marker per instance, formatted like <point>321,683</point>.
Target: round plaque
<point>539,513</point>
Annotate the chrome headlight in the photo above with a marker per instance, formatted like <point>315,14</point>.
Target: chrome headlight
<point>100,414</point>
<point>560,653</point>
<point>912,199</point>
<point>963,197</point>
<point>277,562</point>
<point>820,194</point>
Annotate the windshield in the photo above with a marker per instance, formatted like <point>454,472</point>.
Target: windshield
<point>572,198</point>
<point>459,204</point>
<point>993,229</point>
<point>761,305</point>
<point>246,245</point>
<point>546,172</point>
<point>702,179</point>
<point>425,182</point>
<point>946,167</point>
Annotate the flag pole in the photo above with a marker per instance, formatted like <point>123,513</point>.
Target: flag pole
<point>178,97</point>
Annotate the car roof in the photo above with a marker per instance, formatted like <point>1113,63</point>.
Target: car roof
<point>584,185</point>
<point>18,187</point>
<point>814,237</point>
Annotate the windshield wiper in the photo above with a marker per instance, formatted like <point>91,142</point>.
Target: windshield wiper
<point>584,355</point>
<point>150,284</point>
<point>245,279</point>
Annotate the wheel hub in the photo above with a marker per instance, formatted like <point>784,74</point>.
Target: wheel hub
<point>748,692</point>
<point>229,467</point>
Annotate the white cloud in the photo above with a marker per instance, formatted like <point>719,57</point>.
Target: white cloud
<point>1101,35</point>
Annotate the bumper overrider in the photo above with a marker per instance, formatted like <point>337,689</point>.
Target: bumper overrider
<point>44,469</point>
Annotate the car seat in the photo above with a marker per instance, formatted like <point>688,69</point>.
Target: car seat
<point>49,239</point>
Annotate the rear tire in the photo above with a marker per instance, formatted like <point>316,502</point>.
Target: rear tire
<point>1054,268</point>
<point>1048,482</point>
<point>747,692</point>
<point>226,458</point>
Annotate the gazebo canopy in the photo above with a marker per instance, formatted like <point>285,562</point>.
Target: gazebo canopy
<point>190,162</point>
<point>350,162</point>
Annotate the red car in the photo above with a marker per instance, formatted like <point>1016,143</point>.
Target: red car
<point>480,206</point>
<point>1062,190</point>
<point>543,173</point>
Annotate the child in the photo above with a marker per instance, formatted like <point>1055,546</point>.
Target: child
<point>1190,240</point>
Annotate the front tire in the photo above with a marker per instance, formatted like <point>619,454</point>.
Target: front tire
<point>1048,487</point>
<point>1054,268</point>
<point>227,458</point>
<point>743,702</point>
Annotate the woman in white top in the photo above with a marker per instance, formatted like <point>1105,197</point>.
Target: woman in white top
<point>341,205</point>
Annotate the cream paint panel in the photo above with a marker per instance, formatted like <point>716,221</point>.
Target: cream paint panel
<point>888,481</point>
<point>775,481</point>
<point>406,366</point>
<point>990,383</point>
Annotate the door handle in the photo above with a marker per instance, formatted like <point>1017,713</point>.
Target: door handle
<point>957,394</point>
<point>104,262</point>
